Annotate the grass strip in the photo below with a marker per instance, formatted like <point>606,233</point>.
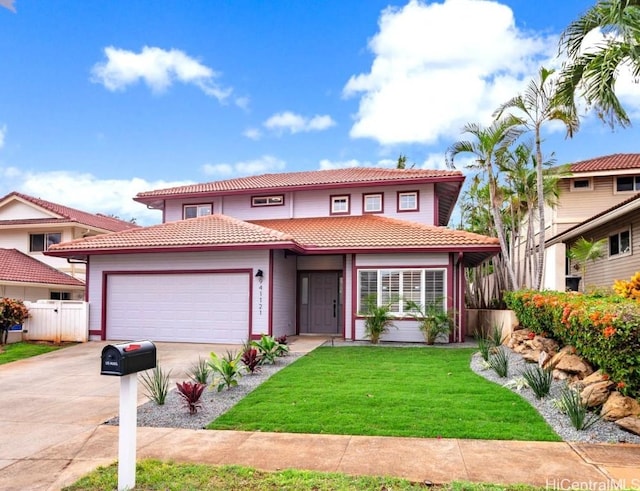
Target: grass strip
<point>156,475</point>
<point>386,391</point>
<point>20,351</point>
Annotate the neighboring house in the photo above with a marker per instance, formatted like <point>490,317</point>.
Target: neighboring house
<point>592,188</point>
<point>26,278</point>
<point>281,254</point>
<point>28,227</point>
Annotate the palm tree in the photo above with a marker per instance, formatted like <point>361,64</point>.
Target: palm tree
<point>584,250</point>
<point>490,145</point>
<point>536,107</point>
<point>593,73</point>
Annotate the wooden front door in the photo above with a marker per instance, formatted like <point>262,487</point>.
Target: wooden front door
<point>320,306</point>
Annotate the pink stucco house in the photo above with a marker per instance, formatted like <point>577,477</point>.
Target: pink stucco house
<point>290,253</point>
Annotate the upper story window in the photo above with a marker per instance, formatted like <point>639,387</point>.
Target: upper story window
<point>372,203</point>
<point>340,205</point>
<point>59,295</point>
<point>581,184</point>
<point>194,211</point>
<point>627,183</point>
<point>620,243</point>
<point>275,200</point>
<point>408,201</point>
<point>41,242</point>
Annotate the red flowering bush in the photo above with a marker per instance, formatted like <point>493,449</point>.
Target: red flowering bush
<point>12,312</point>
<point>604,330</point>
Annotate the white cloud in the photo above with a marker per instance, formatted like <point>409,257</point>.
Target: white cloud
<point>438,66</point>
<point>264,164</point>
<point>88,193</point>
<point>156,67</point>
<point>253,133</point>
<point>3,134</point>
<point>295,123</point>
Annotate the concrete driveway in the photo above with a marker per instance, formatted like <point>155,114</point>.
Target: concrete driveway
<point>60,398</point>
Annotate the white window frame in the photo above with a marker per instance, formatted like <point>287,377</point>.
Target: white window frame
<point>273,200</point>
<point>202,209</point>
<point>398,306</point>
<point>365,203</point>
<point>340,200</point>
<point>575,189</point>
<point>403,194</point>
<point>636,184</point>
<point>46,241</point>
<point>618,234</point>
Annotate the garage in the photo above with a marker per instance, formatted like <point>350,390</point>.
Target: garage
<point>185,307</point>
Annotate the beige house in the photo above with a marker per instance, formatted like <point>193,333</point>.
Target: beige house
<point>597,200</point>
<point>28,227</point>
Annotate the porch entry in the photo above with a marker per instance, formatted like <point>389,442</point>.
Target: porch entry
<point>320,302</point>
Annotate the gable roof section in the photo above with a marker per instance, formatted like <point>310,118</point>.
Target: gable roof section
<point>288,181</point>
<point>608,163</point>
<point>64,213</point>
<point>368,233</point>
<point>18,267</point>
<point>627,206</point>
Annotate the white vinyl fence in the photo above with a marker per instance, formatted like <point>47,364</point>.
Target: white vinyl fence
<point>57,321</point>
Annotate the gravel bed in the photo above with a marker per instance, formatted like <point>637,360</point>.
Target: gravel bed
<point>600,432</point>
<point>173,414</point>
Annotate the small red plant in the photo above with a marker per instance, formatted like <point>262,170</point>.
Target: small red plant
<point>251,359</point>
<point>191,393</point>
<point>281,339</point>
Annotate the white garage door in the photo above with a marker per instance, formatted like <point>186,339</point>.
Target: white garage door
<point>200,308</point>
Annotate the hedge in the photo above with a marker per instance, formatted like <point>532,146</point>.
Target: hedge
<point>604,330</point>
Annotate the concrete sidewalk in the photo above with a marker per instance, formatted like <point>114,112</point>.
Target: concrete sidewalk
<point>53,407</point>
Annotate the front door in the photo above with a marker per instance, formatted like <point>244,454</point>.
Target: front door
<point>320,306</point>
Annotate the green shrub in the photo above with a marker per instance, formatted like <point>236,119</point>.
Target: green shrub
<point>604,330</point>
<point>156,384</point>
<point>200,371</point>
<point>227,369</point>
<point>570,403</point>
<point>269,349</point>
<point>499,361</point>
<point>538,379</point>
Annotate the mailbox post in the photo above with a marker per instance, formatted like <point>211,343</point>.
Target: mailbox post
<point>125,361</point>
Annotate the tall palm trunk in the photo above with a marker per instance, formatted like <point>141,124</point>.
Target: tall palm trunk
<point>541,218</point>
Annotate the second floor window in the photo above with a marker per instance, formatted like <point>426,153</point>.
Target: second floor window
<point>41,242</point>
<point>339,205</point>
<point>372,203</point>
<point>408,201</point>
<point>194,211</point>
<point>275,200</point>
<point>620,243</point>
<point>627,183</point>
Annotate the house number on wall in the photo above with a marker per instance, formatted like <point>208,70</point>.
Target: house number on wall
<point>260,299</point>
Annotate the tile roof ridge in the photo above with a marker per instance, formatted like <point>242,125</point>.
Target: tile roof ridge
<point>440,228</point>
<point>253,226</point>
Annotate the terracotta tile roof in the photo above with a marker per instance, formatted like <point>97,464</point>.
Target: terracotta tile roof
<point>293,180</point>
<point>372,231</point>
<point>617,161</point>
<point>19,267</point>
<point>208,231</point>
<point>367,232</point>
<point>98,221</point>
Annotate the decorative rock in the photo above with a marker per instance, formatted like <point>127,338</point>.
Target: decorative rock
<point>573,364</point>
<point>619,406</point>
<point>520,348</point>
<point>596,394</point>
<point>559,375</point>
<point>630,423</point>
<point>595,377</point>
<point>531,356</point>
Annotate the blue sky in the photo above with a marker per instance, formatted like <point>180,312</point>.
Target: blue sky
<point>102,100</point>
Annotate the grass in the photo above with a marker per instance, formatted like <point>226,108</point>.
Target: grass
<point>384,391</point>
<point>20,351</point>
<point>153,474</point>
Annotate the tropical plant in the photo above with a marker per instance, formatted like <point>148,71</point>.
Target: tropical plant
<point>484,346</point>
<point>12,312</point>
<point>491,144</point>
<point>538,379</point>
<point>534,108</point>
<point>226,369</point>
<point>191,394</point>
<point>251,359</point>
<point>433,319</point>
<point>499,362</point>
<point>571,404</point>
<point>582,251</point>
<point>156,384</point>
<point>592,71</point>
<point>378,318</point>
<point>269,349</point>
<point>200,371</point>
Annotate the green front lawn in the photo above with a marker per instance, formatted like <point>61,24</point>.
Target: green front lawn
<point>386,391</point>
<point>152,474</point>
<point>18,351</point>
